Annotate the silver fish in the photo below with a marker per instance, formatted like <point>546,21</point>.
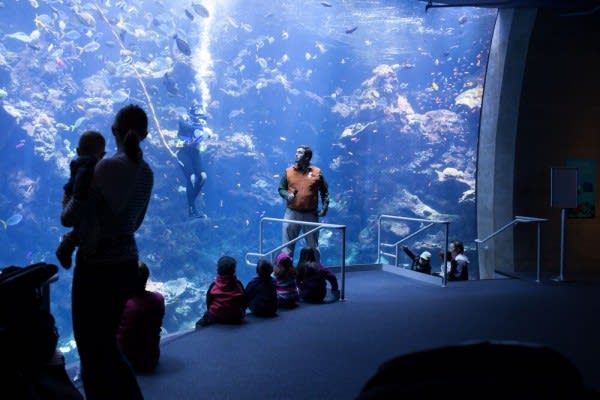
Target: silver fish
<point>90,47</point>
<point>20,36</point>
<point>84,17</point>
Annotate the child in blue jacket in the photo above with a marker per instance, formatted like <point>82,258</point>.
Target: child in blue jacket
<point>261,292</point>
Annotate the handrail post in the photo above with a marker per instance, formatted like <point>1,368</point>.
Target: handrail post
<point>260,236</point>
<point>563,236</point>
<point>343,291</point>
<point>445,269</point>
<point>539,251</point>
<point>378,261</point>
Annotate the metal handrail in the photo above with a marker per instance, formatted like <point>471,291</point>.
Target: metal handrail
<point>522,219</point>
<point>396,245</point>
<point>318,226</point>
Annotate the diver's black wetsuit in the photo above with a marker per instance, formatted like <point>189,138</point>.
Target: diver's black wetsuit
<point>190,162</point>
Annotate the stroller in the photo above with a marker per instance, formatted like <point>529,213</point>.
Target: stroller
<point>31,367</point>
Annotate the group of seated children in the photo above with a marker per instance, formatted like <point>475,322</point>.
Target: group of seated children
<point>273,288</point>
<point>457,264</point>
<point>227,299</point>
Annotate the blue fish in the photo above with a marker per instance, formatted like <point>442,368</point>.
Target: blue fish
<point>182,45</point>
<point>170,84</point>
<point>189,14</point>
<point>350,30</point>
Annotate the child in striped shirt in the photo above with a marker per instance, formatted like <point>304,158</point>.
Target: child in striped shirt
<point>285,284</point>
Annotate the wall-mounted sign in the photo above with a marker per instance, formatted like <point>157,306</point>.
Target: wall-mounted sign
<point>586,189</point>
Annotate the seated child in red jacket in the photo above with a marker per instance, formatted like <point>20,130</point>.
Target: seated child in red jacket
<point>139,331</point>
<point>261,292</point>
<point>312,277</point>
<point>225,299</point>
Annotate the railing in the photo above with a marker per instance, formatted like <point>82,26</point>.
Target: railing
<point>45,291</point>
<point>317,227</point>
<point>517,220</point>
<point>396,245</point>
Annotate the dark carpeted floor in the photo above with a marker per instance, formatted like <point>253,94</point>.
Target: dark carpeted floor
<point>329,351</point>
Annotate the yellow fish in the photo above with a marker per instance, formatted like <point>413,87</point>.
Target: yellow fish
<point>434,86</point>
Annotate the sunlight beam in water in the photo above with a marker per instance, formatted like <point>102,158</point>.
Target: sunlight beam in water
<point>202,60</point>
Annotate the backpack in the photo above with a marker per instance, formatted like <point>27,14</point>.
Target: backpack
<point>28,337</point>
<point>28,332</point>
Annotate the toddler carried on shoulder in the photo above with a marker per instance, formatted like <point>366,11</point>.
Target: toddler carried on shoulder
<point>90,149</point>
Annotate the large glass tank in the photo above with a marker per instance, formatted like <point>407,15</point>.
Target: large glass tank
<point>387,95</point>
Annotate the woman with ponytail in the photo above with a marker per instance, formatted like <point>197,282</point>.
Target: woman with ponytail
<point>106,268</point>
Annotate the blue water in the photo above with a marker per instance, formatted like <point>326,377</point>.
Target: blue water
<point>391,111</point>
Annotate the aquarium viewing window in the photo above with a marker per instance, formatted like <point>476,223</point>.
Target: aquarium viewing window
<point>387,95</point>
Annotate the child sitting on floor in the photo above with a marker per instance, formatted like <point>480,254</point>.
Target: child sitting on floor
<point>312,278</point>
<point>260,291</point>
<point>225,299</point>
<point>285,281</point>
<point>139,331</point>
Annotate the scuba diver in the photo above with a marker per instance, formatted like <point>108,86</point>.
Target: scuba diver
<point>192,130</point>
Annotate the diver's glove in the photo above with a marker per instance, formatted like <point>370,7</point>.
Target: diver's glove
<point>323,211</point>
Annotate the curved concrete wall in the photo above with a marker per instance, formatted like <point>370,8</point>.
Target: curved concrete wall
<point>497,138</point>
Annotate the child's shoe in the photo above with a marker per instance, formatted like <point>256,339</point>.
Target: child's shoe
<point>336,294</point>
<point>202,322</point>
